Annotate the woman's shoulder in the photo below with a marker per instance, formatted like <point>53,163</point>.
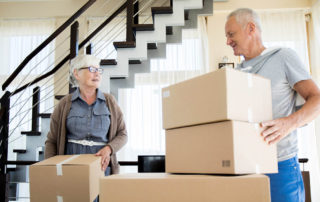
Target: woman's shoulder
<point>109,97</point>
<point>64,100</point>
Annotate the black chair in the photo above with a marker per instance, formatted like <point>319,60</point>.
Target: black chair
<point>306,179</point>
<point>151,164</point>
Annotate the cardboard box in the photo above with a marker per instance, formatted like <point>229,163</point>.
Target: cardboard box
<point>225,94</point>
<point>66,178</point>
<point>163,187</point>
<point>229,147</point>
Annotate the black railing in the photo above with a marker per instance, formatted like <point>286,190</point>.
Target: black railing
<point>27,163</point>
<point>68,57</point>
<point>132,7</point>
<point>46,42</point>
<point>4,133</point>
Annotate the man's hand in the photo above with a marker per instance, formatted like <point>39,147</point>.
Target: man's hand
<point>276,129</point>
<point>105,153</point>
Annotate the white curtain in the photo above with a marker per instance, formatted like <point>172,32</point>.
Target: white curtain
<point>288,29</point>
<point>315,69</point>
<point>142,105</point>
<point>17,39</point>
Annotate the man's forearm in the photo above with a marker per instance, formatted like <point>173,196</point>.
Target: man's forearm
<point>308,112</point>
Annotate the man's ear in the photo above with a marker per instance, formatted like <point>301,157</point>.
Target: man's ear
<point>251,27</point>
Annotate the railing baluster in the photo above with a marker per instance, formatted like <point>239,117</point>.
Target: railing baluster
<point>130,9</point>
<point>35,109</point>
<point>74,45</point>
<point>89,49</point>
<point>135,10</point>
<point>74,38</point>
<point>4,123</point>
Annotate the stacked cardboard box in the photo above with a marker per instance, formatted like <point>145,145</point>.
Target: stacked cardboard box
<point>163,187</point>
<point>66,178</point>
<point>211,124</point>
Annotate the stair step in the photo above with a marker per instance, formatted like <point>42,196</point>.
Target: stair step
<point>11,169</point>
<point>186,15</point>
<point>169,30</point>
<point>134,62</point>
<point>124,44</point>
<point>152,46</point>
<point>161,10</point>
<point>108,62</point>
<point>20,151</point>
<point>31,133</point>
<point>45,115</point>
<point>143,27</point>
<point>58,97</point>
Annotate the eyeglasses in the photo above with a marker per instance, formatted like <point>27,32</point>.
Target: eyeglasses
<point>93,69</point>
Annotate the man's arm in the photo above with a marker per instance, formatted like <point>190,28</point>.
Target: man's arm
<point>279,128</point>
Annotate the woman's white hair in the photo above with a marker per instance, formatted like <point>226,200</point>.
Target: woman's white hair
<point>79,62</point>
<point>245,15</point>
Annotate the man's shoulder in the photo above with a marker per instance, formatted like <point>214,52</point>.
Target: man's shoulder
<point>287,52</point>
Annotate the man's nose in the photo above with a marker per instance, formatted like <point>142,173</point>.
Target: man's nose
<point>228,41</point>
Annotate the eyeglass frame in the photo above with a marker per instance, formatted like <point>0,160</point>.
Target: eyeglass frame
<point>93,69</point>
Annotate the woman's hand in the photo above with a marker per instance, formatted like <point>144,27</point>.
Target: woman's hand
<point>105,153</point>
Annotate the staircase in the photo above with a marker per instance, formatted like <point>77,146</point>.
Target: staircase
<point>133,56</point>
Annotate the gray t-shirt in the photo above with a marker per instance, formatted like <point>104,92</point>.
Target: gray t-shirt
<point>284,68</point>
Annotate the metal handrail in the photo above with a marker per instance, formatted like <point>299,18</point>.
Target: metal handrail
<point>46,42</point>
<point>67,58</point>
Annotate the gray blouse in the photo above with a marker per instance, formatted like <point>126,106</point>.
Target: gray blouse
<point>88,122</point>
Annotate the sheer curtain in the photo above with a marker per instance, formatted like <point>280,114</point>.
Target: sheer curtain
<point>288,29</point>
<point>142,105</point>
<point>315,69</point>
<point>17,39</point>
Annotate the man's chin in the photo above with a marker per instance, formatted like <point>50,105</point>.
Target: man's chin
<point>236,53</point>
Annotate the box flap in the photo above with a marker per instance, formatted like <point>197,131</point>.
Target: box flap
<point>149,176</point>
<point>83,159</point>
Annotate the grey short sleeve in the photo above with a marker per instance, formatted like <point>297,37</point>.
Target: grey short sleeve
<point>293,67</point>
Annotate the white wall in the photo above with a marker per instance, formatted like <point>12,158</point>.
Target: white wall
<point>216,22</point>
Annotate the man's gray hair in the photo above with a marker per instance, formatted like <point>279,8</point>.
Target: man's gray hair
<point>79,62</point>
<point>246,15</point>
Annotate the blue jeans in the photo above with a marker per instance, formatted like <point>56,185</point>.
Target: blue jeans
<point>287,184</point>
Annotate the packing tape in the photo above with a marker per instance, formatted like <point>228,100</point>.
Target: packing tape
<point>59,165</point>
<point>59,199</point>
<point>166,94</point>
<point>250,119</point>
<point>257,169</point>
<point>250,81</point>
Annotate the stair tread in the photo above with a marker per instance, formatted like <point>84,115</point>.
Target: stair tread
<point>21,151</point>
<point>161,10</point>
<point>45,115</point>
<point>11,169</point>
<point>31,133</point>
<point>124,44</point>
<point>108,62</point>
<point>143,27</point>
<point>152,46</point>
<point>169,30</point>
<point>134,62</point>
<point>186,15</point>
<point>58,97</point>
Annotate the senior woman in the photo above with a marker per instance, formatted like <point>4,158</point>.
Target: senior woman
<point>87,121</point>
